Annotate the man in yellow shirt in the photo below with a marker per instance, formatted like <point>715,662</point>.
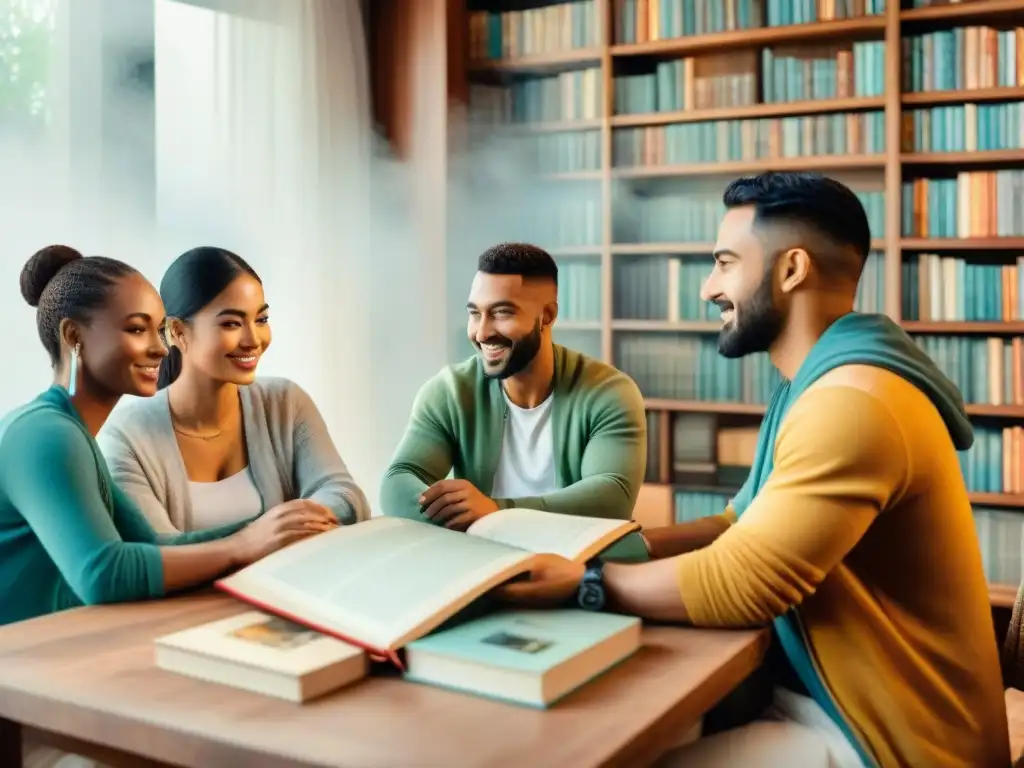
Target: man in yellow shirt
<point>853,535</point>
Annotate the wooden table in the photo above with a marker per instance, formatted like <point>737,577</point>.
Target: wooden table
<point>87,677</point>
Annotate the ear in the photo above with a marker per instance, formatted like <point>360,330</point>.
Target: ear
<point>175,333</point>
<point>69,333</point>
<point>794,267</point>
<point>549,314</point>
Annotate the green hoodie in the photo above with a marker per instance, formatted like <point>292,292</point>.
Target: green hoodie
<point>599,429</point>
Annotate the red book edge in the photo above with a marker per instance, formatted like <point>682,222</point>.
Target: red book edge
<point>376,654</point>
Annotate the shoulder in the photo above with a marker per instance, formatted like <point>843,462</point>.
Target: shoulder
<point>41,427</point>
<point>272,390</point>
<point>847,417</point>
<point>134,420</point>
<point>457,383</point>
<point>598,382</point>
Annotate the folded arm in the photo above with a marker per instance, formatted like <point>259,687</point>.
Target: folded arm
<point>840,459</point>
<point>614,460</point>
<point>320,472</point>
<point>423,456</point>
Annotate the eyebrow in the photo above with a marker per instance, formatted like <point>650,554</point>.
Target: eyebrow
<point>241,313</point>
<point>496,305</point>
<point>725,252</point>
<point>144,316</point>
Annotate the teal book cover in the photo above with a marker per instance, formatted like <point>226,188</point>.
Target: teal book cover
<point>529,643</point>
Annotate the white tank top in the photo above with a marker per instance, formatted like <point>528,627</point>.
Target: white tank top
<point>230,500</point>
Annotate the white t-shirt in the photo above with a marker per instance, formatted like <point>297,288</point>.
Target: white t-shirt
<point>526,466</point>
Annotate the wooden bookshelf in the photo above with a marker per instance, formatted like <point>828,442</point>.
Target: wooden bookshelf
<point>888,172</point>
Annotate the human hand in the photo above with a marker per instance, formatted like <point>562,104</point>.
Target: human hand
<point>282,525</point>
<point>553,581</point>
<point>456,504</point>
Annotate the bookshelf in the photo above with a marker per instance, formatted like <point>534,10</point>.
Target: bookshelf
<point>653,105</point>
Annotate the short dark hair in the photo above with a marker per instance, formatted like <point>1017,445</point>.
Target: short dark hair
<point>62,283</point>
<point>811,200</point>
<point>528,261</point>
<point>192,281</point>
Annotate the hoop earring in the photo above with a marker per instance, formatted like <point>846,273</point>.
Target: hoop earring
<point>73,378</point>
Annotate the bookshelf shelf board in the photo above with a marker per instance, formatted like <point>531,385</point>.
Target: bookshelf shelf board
<point>963,158</point>
<point>930,244</point>
<point>993,328</point>
<point>578,325</point>
<point>719,42</point>
<point>575,176</point>
<point>755,409</point>
<point>1002,595</point>
<point>702,406</point>
<point>651,249</point>
<point>996,411</point>
<point>927,98</point>
<point>997,499</point>
<point>562,126</point>
<point>976,10</point>
<point>576,251</point>
<point>541,62</point>
<point>819,163</point>
<point>752,111</point>
<point>668,326</point>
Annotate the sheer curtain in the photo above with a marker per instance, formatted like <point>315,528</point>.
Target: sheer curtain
<point>263,135</point>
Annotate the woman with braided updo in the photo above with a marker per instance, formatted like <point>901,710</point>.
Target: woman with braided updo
<point>68,535</point>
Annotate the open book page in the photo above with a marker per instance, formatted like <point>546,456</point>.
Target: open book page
<point>572,537</point>
<point>382,582</point>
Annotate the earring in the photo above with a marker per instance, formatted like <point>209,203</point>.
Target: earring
<point>73,378</point>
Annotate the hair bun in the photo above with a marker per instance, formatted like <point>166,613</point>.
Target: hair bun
<point>41,268</point>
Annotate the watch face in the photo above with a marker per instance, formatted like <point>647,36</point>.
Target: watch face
<point>591,597</point>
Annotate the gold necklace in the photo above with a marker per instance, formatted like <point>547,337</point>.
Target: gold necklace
<point>195,435</point>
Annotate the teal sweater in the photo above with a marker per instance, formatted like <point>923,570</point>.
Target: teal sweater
<point>457,422</point>
<point>68,535</point>
<point>854,339</point>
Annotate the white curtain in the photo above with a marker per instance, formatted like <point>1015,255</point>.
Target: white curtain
<point>263,132</point>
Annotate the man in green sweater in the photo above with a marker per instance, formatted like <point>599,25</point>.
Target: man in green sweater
<point>523,423</point>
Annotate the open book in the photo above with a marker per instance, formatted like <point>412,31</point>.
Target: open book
<point>387,581</point>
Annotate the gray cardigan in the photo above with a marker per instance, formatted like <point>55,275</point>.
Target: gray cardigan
<point>291,455</point>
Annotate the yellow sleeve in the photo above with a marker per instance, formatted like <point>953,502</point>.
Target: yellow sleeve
<point>840,458</point>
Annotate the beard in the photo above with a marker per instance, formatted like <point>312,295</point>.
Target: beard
<point>520,356</point>
<point>755,324</point>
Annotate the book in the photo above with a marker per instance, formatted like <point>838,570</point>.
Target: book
<point>386,581</point>
<point>533,658</point>
<point>263,653</point>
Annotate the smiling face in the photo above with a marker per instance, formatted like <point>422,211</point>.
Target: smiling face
<point>225,340</point>
<point>509,319</point>
<point>121,343</point>
<point>742,285</point>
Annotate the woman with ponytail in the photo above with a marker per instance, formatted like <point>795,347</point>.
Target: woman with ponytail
<point>216,444</point>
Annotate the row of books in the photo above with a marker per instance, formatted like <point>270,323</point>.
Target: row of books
<point>668,288</point>
<point>678,212</point>
<point>678,366</point>
<point>964,128</point>
<point>689,83</point>
<point>568,221</point>
<point>563,151</point>
<point>579,291</point>
<point>563,97</point>
<point>971,204</point>
<point>952,289</point>
<point>987,371</point>
<point>852,133</point>
<point>995,463</point>
<point>640,21</point>
<point>826,72</point>
<point>568,25</point>
<point>964,58</point>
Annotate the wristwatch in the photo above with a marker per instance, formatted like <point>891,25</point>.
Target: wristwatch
<point>590,594</point>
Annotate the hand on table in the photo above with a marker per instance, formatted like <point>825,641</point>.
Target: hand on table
<point>283,525</point>
<point>455,504</point>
